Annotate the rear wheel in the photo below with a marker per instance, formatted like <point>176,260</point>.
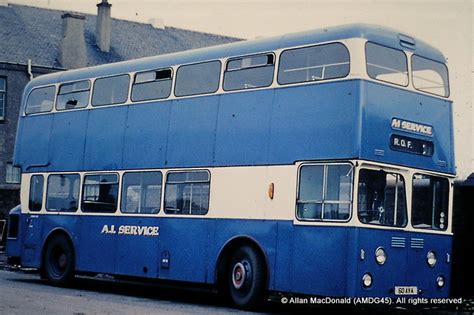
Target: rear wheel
<point>246,277</point>
<point>58,261</point>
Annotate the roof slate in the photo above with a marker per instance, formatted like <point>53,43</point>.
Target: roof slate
<point>35,33</point>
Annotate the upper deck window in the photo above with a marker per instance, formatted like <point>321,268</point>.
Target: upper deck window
<point>325,192</point>
<point>323,62</point>
<point>430,76</point>
<point>249,72</point>
<point>201,78</point>
<point>152,85</point>
<point>73,95</point>
<point>430,202</point>
<point>382,198</point>
<point>40,100</point>
<point>386,64</point>
<point>111,90</point>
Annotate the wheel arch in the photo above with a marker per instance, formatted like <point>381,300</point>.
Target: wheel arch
<point>225,255</point>
<point>51,235</point>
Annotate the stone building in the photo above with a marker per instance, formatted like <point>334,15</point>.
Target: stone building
<point>37,41</point>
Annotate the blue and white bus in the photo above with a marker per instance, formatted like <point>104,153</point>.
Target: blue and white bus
<point>317,163</point>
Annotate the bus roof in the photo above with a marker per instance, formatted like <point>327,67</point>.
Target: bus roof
<point>378,34</point>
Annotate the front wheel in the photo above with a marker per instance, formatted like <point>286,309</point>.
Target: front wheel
<point>246,277</point>
<point>58,261</point>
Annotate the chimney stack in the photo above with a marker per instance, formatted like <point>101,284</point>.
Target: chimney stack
<point>104,25</point>
<point>73,44</point>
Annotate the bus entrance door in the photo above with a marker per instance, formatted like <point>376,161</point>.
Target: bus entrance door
<point>32,243</point>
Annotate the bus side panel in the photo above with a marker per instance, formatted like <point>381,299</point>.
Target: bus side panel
<point>383,103</point>
<point>191,133</point>
<point>185,243</point>
<point>67,140</point>
<point>304,116</point>
<point>319,260</point>
<point>281,280</point>
<point>97,249</point>
<point>146,135</point>
<point>243,128</point>
<point>105,124</point>
<point>33,142</point>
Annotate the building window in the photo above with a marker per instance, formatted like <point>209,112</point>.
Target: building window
<point>325,192</point>
<point>187,193</point>
<point>141,192</point>
<point>100,193</point>
<point>13,174</point>
<point>63,192</point>
<point>3,97</point>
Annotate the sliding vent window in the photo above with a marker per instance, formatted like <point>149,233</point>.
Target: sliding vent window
<point>40,100</point>
<point>63,192</point>
<point>111,90</point>
<point>152,85</point>
<point>202,78</point>
<point>325,192</point>
<point>73,95</point>
<point>249,72</point>
<point>430,201</point>
<point>187,193</point>
<point>100,193</point>
<point>315,63</point>
<point>35,202</point>
<point>141,192</point>
<point>430,76</point>
<point>386,64</point>
<point>382,198</point>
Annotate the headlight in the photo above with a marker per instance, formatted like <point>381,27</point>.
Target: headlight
<point>367,280</point>
<point>431,258</point>
<point>380,256</point>
<point>440,281</point>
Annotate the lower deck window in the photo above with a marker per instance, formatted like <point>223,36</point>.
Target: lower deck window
<point>187,193</point>
<point>325,192</point>
<point>35,202</point>
<point>63,192</point>
<point>382,198</point>
<point>100,193</point>
<point>141,192</point>
<point>430,202</point>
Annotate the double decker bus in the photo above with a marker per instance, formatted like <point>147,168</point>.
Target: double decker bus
<point>316,163</point>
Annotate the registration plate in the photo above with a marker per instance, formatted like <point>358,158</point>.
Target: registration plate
<point>411,290</point>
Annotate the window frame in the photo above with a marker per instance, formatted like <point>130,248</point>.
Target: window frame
<point>172,79</point>
<point>311,46</point>
<point>175,84</point>
<point>117,206</point>
<point>93,88</point>
<point>124,193</point>
<point>387,47</point>
<point>393,172</point>
<point>42,192</point>
<point>38,88</point>
<point>3,97</point>
<point>165,182</point>
<point>448,85</point>
<point>449,209</point>
<point>58,93</point>
<point>47,191</point>
<point>323,201</point>
<point>229,60</point>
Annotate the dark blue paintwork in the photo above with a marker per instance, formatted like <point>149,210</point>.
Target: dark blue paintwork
<point>317,260</point>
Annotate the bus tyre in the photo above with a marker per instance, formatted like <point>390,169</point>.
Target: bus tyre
<point>58,261</point>
<point>246,277</point>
